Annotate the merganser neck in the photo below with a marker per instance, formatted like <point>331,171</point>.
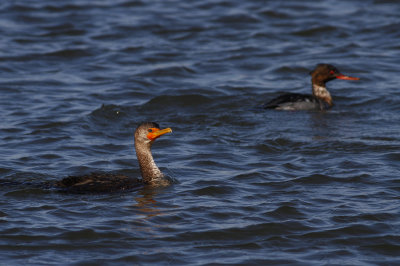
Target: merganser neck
<point>320,92</point>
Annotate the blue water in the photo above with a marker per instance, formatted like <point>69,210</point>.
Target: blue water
<point>256,187</point>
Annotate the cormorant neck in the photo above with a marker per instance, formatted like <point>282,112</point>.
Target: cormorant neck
<point>320,91</point>
<point>148,168</point>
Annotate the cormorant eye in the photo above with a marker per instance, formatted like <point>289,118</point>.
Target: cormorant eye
<point>150,130</point>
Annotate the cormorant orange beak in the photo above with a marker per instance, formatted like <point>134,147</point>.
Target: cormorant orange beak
<point>155,133</point>
<point>341,76</point>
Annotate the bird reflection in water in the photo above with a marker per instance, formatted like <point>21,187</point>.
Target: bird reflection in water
<point>146,204</point>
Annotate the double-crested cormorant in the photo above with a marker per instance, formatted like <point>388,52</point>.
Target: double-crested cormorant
<point>145,134</point>
<point>320,99</point>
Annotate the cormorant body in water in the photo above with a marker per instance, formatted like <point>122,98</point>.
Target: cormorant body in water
<point>145,135</point>
<point>320,99</point>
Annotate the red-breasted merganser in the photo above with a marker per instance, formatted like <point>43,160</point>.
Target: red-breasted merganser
<point>145,134</point>
<point>320,99</point>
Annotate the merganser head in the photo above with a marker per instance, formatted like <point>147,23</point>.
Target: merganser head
<point>325,72</point>
<point>148,132</point>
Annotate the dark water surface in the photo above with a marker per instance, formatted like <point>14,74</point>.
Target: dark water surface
<point>257,187</point>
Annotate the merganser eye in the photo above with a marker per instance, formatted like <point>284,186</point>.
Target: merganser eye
<point>332,72</point>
